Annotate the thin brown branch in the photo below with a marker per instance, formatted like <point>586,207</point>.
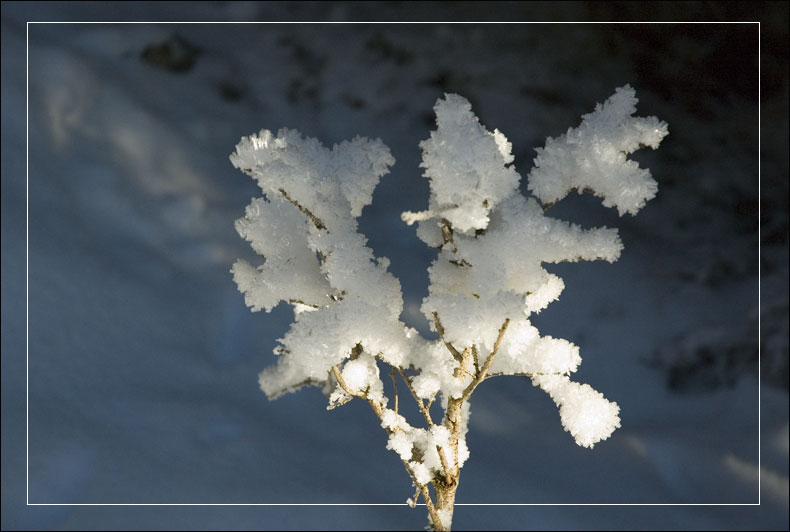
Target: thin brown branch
<point>300,302</point>
<point>447,477</point>
<point>415,498</point>
<point>440,329</point>
<point>394,377</point>
<point>481,375</point>
<point>339,403</point>
<point>437,523</point>
<point>292,388</point>
<point>475,359</point>
<point>461,369</point>
<point>430,402</point>
<point>422,488</point>
<point>424,411</point>
<point>362,395</point>
<point>522,374</point>
<point>342,382</point>
<point>447,233</point>
<point>356,351</point>
<point>313,218</point>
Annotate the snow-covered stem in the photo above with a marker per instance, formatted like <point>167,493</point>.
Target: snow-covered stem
<point>425,409</point>
<point>485,283</point>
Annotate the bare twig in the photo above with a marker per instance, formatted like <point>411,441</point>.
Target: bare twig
<point>423,488</point>
<point>440,329</point>
<point>474,357</point>
<point>443,459</point>
<point>430,402</point>
<point>437,523</point>
<point>415,498</point>
<point>424,411</point>
<point>481,375</point>
<point>461,369</point>
<point>394,377</point>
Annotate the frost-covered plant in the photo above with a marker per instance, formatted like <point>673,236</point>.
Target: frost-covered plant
<point>484,284</point>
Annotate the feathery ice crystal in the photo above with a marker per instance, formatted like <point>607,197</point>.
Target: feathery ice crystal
<point>484,284</point>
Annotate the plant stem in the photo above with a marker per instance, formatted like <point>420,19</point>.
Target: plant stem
<point>445,504</point>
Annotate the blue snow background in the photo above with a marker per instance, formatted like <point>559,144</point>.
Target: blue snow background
<point>143,359</point>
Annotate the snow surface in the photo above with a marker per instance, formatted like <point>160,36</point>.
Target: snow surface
<point>143,357</point>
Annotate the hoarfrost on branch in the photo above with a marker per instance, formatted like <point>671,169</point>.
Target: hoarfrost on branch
<point>486,282</point>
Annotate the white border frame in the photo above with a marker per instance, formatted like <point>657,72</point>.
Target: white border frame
<point>27,277</point>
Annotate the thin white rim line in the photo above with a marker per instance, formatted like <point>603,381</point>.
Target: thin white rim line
<point>27,263</point>
<point>27,272</point>
<point>396,504</point>
<point>759,273</point>
<point>380,22</point>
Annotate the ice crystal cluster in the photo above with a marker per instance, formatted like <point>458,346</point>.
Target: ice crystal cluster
<point>486,282</point>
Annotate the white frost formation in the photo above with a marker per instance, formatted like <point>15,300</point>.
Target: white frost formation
<point>593,156</point>
<point>314,257</point>
<point>467,166</point>
<point>485,283</point>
